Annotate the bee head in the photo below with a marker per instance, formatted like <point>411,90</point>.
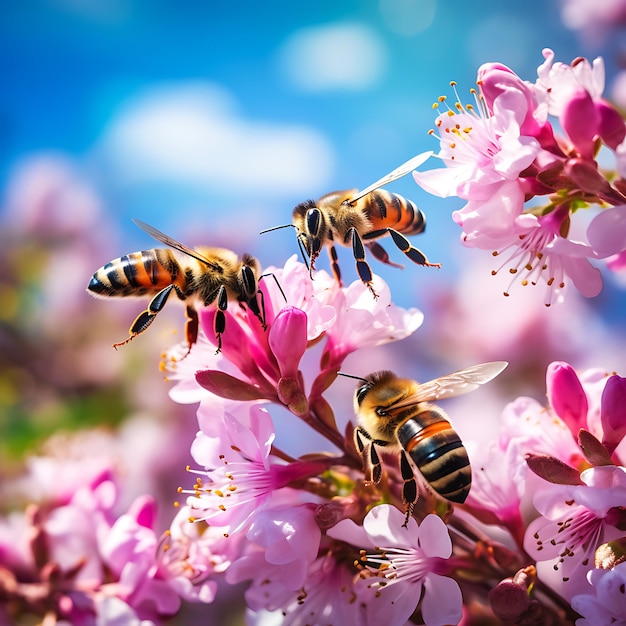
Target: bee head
<point>376,381</point>
<point>309,221</point>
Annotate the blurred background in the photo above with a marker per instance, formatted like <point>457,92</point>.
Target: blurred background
<point>211,121</point>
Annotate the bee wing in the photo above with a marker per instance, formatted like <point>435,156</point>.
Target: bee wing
<point>455,384</point>
<point>399,172</point>
<point>172,243</point>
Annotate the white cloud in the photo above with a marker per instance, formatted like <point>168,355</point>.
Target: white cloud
<point>191,134</point>
<point>408,17</point>
<point>346,56</point>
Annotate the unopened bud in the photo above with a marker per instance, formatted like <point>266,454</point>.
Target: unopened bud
<point>509,599</point>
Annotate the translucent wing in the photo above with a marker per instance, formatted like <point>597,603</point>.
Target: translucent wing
<point>399,172</point>
<point>172,243</point>
<point>454,384</point>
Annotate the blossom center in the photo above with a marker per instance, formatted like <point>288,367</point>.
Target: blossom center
<point>580,531</point>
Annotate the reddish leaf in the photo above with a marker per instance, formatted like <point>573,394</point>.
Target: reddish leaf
<point>593,450</point>
<point>229,387</point>
<point>553,470</point>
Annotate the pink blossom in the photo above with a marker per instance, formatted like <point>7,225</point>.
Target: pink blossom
<point>575,520</point>
<point>363,321</point>
<point>502,88</point>
<point>191,555</point>
<point>480,150</point>
<point>241,476</point>
<point>129,551</point>
<point>327,596</point>
<point>605,603</point>
<point>289,539</point>
<point>398,562</point>
<point>538,252</point>
<point>574,94</point>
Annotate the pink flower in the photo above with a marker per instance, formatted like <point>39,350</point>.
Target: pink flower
<point>605,603</point>
<point>326,597</point>
<point>129,551</point>
<point>480,149</point>
<point>575,520</point>
<point>398,562</point>
<point>538,252</point>
<point>241,476</point>
<point>191,555</point>
<point>283,543</point>
<point>363,321</point>
<point>574,94</point>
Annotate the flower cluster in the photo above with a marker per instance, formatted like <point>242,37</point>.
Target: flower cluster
<point>524,183</point>
<point>75,559</point>
<point>318,545</point>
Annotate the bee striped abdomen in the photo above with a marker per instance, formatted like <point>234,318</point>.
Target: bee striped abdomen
<point>400,214</point>
<point>135,274</point>
<point>438,453</point>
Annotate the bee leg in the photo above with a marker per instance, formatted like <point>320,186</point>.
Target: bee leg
<point>145,318</point>
<point>219,322</point>
<point>334,264</point>
<point>372,467</point>
<point>192,326</point>
<point>410,251</point>
<point>259,311</point>
<point>381,254</point>
<point>362,267</point>
<point>409,488</point>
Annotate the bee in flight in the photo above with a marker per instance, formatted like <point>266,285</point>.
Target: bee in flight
<point>200,276</point>
<point>395,414</point>
<point>357,219</point>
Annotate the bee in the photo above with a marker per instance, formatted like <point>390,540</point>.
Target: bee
<point>200,276</point>
<point>357,219</point>
<point>396,414</point>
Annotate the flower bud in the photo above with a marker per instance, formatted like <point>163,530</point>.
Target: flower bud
<point>288,339</point>
<point>566,395</point>
<point>613,412</point>
<point>509,599</point>
<point>581,121</point>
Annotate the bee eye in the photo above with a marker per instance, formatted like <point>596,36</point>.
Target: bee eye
<point>361,392</point>
<point>313,221</point>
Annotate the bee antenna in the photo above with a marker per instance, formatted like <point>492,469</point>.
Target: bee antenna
<point>350,376</point>
<point>267,230</point>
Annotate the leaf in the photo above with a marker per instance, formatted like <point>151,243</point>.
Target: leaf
<point>593,450</point>
<point>229,387</point>
<point>553,470</point>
